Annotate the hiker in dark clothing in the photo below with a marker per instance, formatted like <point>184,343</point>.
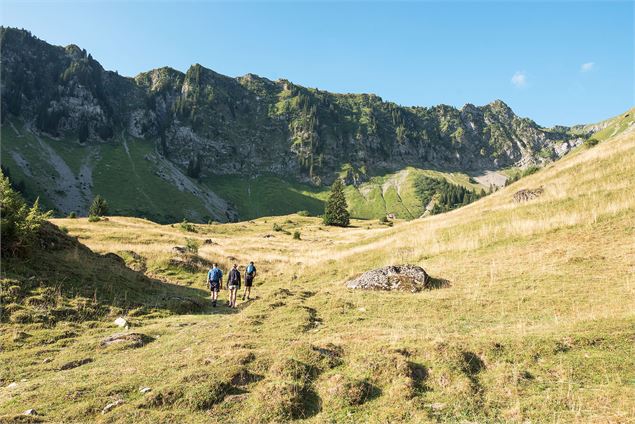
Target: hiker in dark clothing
<point>233,282</point>
<point>250,274</point>
<point>215,282</point>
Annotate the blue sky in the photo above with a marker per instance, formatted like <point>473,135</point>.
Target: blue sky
<point>556,62</point>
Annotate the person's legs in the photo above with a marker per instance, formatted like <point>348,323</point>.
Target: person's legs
<point>214,295</point>
<point>234,293</point>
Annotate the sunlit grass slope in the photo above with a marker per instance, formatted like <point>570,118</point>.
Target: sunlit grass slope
<point>537,324</point>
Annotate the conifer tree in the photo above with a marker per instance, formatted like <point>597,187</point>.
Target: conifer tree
<point>99,207</point>
<point>336,210</point>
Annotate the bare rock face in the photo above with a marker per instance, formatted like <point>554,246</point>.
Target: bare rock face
<point>410,278</point>
<point>528,194</point>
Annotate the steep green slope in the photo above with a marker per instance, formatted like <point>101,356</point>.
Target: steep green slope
<point>614,126</point>
<point>128,173</point>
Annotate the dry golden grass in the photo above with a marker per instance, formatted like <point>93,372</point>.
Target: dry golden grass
<point>537,325</point>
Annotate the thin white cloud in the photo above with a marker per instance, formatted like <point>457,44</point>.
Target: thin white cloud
<point>586,67</point>
<point>519,79</point>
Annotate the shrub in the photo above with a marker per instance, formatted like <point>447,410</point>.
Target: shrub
<point>383,219</point>
<point>72,215</point>
<point>19,224</point>
<point>591,142</point>
<point>276,227</point>
<point>99,207</point>
<point>336,209</point>
<point>192,245</point>
<point>304,213</point>
<point>93,218</point>
<point>530,170</point>
<point>187,226</point>
<point>64,229</point>
<point>296,235</point>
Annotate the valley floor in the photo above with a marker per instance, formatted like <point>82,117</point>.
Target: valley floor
<point>537,323</point>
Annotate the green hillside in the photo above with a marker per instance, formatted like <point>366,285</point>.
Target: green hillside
<point>136,181</point>
<point>66,175</point>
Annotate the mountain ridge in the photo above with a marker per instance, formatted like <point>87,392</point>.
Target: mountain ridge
<point>210,125</point>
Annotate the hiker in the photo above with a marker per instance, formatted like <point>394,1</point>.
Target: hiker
<point>215,281</point>
<point>250,274</point>
<point>233,283</point>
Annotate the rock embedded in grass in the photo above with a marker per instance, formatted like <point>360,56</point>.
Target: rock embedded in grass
<point>528,194</point>
<point>410,278</point>
<point>132,340</point>
<point>111,405</point>
<point>74,364</point>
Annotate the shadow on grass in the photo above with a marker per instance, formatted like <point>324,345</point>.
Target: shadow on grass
<point>434,283</point>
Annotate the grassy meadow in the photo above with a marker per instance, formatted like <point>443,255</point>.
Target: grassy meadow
<point>535,321</point>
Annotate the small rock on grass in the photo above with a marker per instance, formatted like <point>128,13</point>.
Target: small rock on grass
<point>75,364</point>
<point>122,322</point>
<point>144,390</point>
<point>111,405</point>
<point>12,385</point>
<point>30,412</point>
<point>130,339</point>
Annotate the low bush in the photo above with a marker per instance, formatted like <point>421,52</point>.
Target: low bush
<point>94,218</point>
<point>296,235</point>
<point>192,245</point>
<point>187,226</point>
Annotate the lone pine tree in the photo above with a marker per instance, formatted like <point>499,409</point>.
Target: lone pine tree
<point>336,210</point>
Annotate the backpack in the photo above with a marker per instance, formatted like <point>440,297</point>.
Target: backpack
<point>251,269</point>
<point>216,274</point>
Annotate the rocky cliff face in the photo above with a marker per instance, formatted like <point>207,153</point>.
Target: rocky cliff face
<point>207,123</point>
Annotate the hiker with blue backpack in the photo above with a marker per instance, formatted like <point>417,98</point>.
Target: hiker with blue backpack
<point>250,274</point>
<point>215,282</point>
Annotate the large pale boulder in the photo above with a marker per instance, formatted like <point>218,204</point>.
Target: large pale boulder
<point>410,278</point>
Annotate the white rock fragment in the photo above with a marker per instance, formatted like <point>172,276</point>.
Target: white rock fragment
<point>12,385</point>
<point>144,390</point>
<point>30,412</point>
<point>111,405</point>
<point>122,322</point>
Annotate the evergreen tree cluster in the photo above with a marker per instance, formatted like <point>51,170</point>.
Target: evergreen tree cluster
<point>19,223</point>
<point>448,196</point>
<point>18,186</point>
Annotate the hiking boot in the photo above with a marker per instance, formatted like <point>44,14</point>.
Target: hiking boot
<point>243,298</point>
<point>214,303</point>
